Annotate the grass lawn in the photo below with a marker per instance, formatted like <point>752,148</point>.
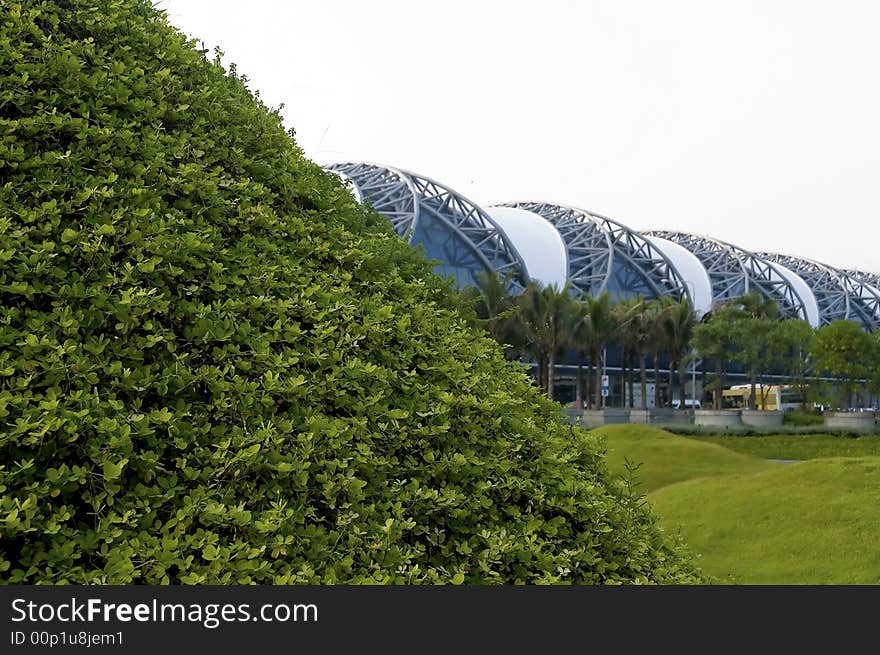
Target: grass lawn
<point>798,446</point>
<point>815,522</point>
<point>752,521</point>
<point>665,458</point>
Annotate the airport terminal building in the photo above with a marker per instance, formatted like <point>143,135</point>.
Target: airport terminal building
<point>558,244</point>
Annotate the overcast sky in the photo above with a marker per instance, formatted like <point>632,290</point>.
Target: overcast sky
<point>754,122</point>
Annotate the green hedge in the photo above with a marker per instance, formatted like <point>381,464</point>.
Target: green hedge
<point>215,367</point>
<point>802,418</point>
<point>752,431</point>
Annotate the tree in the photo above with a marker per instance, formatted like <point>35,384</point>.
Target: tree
<point>875,378</point>
<point>491,305</point>
<point>789,346</point>
<point>756,305</point>
<point>754,329</point>
<point>842,350</point>
<point>678,321</point>
<point>557,326</point>
<point>627,316</point>
<point>494,304</point>
<point>602,330</point>
<point>753,349</point>
<point>531,322</point>
<point>717,337</point>
<point>660,343</point>
<point>219,368</point>
<point>645,337</point>
<point>581,336</point>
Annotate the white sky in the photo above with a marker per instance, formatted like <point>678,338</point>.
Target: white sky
<point>757,122</point>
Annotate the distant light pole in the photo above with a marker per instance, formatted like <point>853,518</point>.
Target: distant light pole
<point>604,374</point>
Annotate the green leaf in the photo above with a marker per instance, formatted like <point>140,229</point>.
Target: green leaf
<point>113,471</point>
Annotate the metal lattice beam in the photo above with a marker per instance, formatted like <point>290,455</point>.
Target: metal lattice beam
<point>735,271</point>
<point>410,200</point>
<point>599,248</point>
<point>869,287</point>
<point>385,190</point>
<point>840,295</point>
<point>866,278</point>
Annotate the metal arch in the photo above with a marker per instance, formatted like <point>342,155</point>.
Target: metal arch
<point>386,190</point>
<point>594,242</point>
<point>474,225</point>
<point>404,197</point>
<point>869,287</point>
<point>647,258</point>
<point>863,276</point>
<point>840,295</point>
<point>727,273</point>
<point>589,249</point>
<point>735,271</point>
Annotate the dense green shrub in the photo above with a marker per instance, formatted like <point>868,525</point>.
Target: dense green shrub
<point>755,431</point>
<point>217,368</point>
<point>802,418</point>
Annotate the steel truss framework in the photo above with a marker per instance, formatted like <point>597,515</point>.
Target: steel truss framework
<point>605,255</point>
<point>871,279</point>
<point>735,271</point>
<point>840,295</point>
<point>423,211</point>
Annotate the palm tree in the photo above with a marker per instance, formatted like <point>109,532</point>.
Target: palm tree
<point>494,304</point>
<point>559,309</point>
<point>645,337</point>
<point>678,322</point>
<point>602,329</point>
<point>530,320</point>
<point>627,315</point>
<point>581,335</point>
<point>545,316</point>
<point>658,342</point>
<point>756,305</point>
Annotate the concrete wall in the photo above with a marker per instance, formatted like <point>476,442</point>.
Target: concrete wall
<point>721,418</point>
<point>762,419</point>
<point>862,421</point>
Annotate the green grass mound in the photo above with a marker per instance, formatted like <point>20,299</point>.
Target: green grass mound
<point>216,367</point>
<point>798,447</point>
<point>815,522</point>
<point>658,458</point>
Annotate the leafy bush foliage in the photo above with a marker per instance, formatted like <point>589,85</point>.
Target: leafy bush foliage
<point>217,368</point>
<point>802,418</point>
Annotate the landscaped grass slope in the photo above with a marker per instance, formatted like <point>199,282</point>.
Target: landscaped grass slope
<point>797,446</point>
<point>814,522</point>
<point>663,458</point>
<point>216,367</point>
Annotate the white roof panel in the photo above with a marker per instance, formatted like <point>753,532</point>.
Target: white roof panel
<point>537,242</point>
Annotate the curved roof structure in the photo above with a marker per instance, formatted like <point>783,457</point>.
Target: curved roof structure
<point>604,255</point>
<point>559,244</point>
<point>803,290</point>
<point>691,270</point>
<point>870,280</point>
<point>867,278</point>
<point>841,296</point>
<point>454,231</point>
<point>735,271</point>
<point>540,245</point>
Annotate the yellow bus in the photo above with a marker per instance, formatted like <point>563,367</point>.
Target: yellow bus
<point>767,397</point>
